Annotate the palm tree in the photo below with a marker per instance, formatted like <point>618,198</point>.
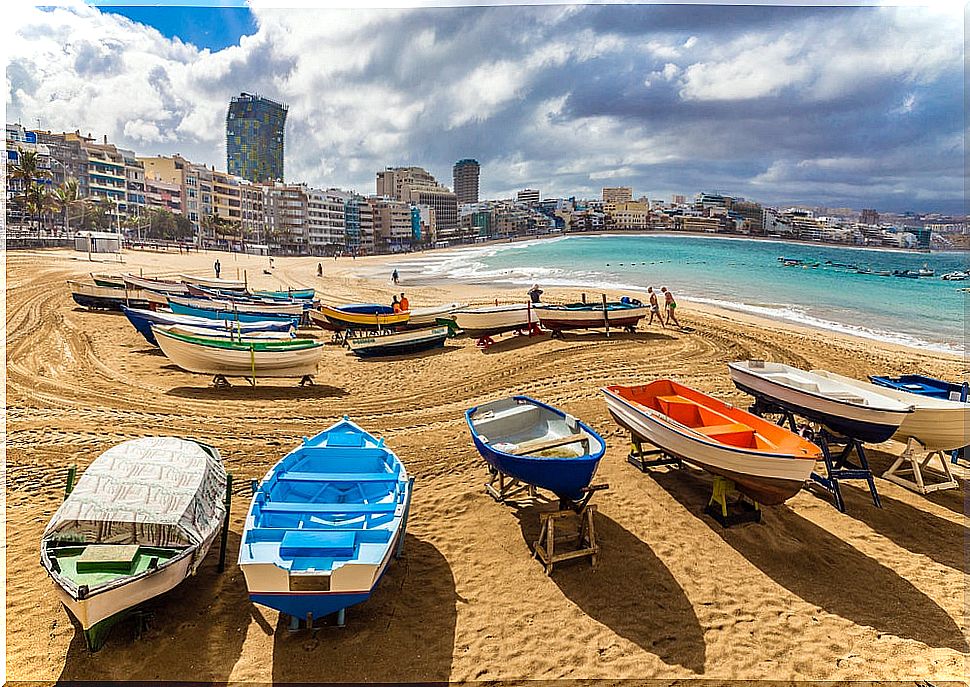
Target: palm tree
<point>26,173</point>
<point>68,196</point>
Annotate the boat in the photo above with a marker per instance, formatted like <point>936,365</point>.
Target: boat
<point>420,317</point>
<point>591,315</point>
<point>365,316</point>
<point>227,333</point>
<point>250,359</point>
<point>494,319</point>
<point>843,409</point>
<point>884,273</point>
<point>398,343</point>
<point>956,276</point>
<point>863,270</point>
<point>203,293</point>
<point>97,297</point>
<point>138,522</point>
<point>324,523</point>
<point>765,461</point>
<point>248,307</point>
<point>925,271</point>
<point>296,294</point>
<point>110,280</point>
<point>142,321</point>
<point>537,444</point>
<point>217,311</point>
<point>907,274</point>
<point>939,424</point>
<point>166,286</point>
<point>210,283</point>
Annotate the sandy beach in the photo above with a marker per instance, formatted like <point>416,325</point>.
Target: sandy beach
<point>808,594</point>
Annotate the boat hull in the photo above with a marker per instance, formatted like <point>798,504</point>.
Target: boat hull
<point>158,285</point>
<point>339,319</point>
<point>224,284</point>
<point>232,315</point>
<point>494,320</point>
<point>870,425</point>
<point>592,318</point>
<point>423,317</point>
<point>142,321</point>
<point>112,298</point>
<point>241,362</point>
<point>399,343</point>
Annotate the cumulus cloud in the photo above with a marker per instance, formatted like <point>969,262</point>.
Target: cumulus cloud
<point>850,106</point>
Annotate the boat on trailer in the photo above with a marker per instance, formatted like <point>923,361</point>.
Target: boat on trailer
<point>138,522</point>
<point>537,444</point>
<point>398,343</point>
<point>142,321</point>
<point>846,410</point>
<point>250,359</point>
<point>324,523</point>
<point>768,463</point>
<point>618,314</point>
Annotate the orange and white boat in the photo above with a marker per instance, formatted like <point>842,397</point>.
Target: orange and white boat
<point>766,462</point>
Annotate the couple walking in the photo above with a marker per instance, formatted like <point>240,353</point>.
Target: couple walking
<point>669,306</point>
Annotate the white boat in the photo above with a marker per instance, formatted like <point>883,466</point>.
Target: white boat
<point>938,424</point>
<point>211,283</point>
<point>495,319</point>
<point>138,522</point>
<point>956,276</point>
<point>207,332</point>
<point>428,315</point>
<point>295,309</point>
<point>844,409</point>
<point>398,343</point>
<point>292,358</point>
<point>159,285</point>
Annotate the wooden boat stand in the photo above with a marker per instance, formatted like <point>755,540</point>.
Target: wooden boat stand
<point>638,457</point>
<point>914,460</point>
<point>220,381</point>
<point>730,513</point>
<point>509,488</point>
<point>838,466</point>
<point>545,548</point>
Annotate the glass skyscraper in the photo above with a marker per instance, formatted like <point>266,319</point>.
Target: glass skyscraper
<point>254,138</point>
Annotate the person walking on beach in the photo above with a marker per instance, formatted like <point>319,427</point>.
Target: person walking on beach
<point>405,304</point>
<point>534,293</point>
<point>655,308</point>
<point>217,267</point>
<point>670,304</point>
<point>394,277</point>
<point>319,269</point>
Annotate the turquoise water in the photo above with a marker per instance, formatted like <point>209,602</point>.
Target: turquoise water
<point>742,275</point>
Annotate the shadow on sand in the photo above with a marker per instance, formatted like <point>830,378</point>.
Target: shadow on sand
<point>242,391</point>
<point>952,499</point>
<point>404,633</point>
<point>590,335</point>
<point>825,571</point>
<point>630,591</point>
<point>433,353</point>
<point>203,621</point>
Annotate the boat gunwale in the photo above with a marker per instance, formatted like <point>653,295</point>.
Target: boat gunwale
<point>255,346</point>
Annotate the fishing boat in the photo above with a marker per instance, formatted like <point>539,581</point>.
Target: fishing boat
<point>296,294</point>
<point>211,283</point>
<point>422,317</point>
<point>924,386</point>
<point>494,319</point>
<point>766,462</point>
<point>216,311</point>
<point>166,286</point>
<point>236,305</point>
<point>366,316</point>
<point>537,444</point>
<point>939,424</point>
<point>925,271</point>
<point>137,523</point>
<point>227,333</point>
<point>844,409</point>
<point>142,321</point>
<point>97,297</point>
<point>956,276</point>
<point>251,359</point>
<point>398,343</point>
<point>906,274</point>
<point>324,523</point>
<point>112,281</point>
<point>625,315</point>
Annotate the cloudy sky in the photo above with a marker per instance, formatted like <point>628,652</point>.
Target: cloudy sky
<point>835,106</point>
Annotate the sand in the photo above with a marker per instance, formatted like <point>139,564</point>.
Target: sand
<point>809,594</point>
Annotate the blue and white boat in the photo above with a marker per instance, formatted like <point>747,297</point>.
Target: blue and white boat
<point>142,320</point>
<point>324,523</point>
<point>220,311</point>
<point>537,444</point>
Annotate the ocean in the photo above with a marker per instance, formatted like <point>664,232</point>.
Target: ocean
<point>737,274</point>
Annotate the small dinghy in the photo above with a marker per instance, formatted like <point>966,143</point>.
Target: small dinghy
<point>616,314</point>
<point>228,334</point>
<point>494,319</point>
<point>233,306</point>
<point>398,343</point>
<point>429,315</point>
<point>846,410</point>
<point>537,444</point>
<point>139,521</point>
<point>96,297</point>
<point>142,321</point>
<point>324,523</point>
<point>210,283</point>
<point>766,462</point>
<point>365,316</point>
<point>166,286</point>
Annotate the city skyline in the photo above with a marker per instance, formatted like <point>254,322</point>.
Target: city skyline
<point>838,107</point>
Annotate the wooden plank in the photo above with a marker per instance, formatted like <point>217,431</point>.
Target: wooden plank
<point>543,444</point>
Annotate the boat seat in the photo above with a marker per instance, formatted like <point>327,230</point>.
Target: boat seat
<point>731,428</point>
<point>327,508</point>
<point>535,446</point>
<point>338,477</point>
<point>324,544</point>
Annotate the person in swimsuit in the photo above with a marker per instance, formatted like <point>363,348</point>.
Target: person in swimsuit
<point>655,308</point>
<point>670,304</point>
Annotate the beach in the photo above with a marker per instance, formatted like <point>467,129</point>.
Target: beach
<point>808,594</point>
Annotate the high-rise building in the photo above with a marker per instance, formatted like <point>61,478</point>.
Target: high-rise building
<point>416,185</point>
<point>869,216</point>
<point>254,138</point>
<point>466,173</point>
<point>617,194</point>
<point>528,195</point>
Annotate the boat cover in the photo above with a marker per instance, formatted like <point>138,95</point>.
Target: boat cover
<point>156,491</point>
